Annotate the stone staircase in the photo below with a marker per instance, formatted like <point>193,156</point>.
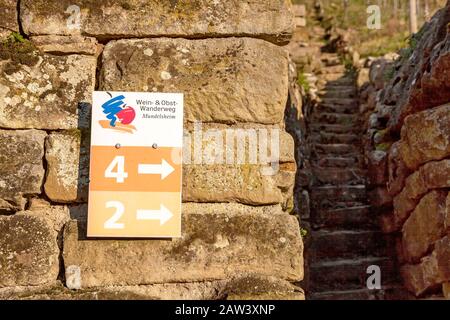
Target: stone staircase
<point>345,237</point>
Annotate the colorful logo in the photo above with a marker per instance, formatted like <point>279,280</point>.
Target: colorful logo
<point>119,115</point>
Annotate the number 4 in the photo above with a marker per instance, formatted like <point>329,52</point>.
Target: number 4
<point>120,175</point>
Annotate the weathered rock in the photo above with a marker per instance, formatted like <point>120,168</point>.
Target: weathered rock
<point>224,80</point>
<point>8,17</point>
<point>244,143</point>
<point>68,167</point>
<point>426,136</point>
<point>66,44</point>
<point>255,287</point>
<point>225,208</point>
<point>56,216</point>
<point>43,91</point>
<point>252,287</point>
<point>231,183</point>
<point>431,272</point>
<point>379,197</point>
<point>363,77</point>
<point>433,175</point>
<point>424,226</point>
<point>422,80</point>
<point>206,290</point>
<point>446,290</point>
<point>377,167</point>
<point>442,249</point>
<point>387,223</point>
<point>212,247</point>
<point>397,170</point>
<point>270,20</point>
<point>28,251</point>
<point>21,166</point>
<point>447,215</point>
<point>378,71</point>
<point>418,278</point>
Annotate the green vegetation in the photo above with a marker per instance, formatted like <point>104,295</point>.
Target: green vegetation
<point>302,81</point>
<point>303,232</point>
<point>383,147</point>
<point>19,50</point>
<point>389,73</point>
<point>394,32</point>
<point>16,37</point>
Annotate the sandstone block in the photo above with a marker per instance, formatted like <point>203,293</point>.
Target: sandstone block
<point>225,208</point>
<point>207,290</point>
<point>418,278</point>
<point>431,272</point>
<point>21,167</point>
<point>447,215</point>
<point>397,170</point>
<point>43,91</point>
<point>433,175</point>
<point>66,44</point>
<point>68,167</point>
<point>56,217</point>
<point>224,80</point>
<point>254,287</point>
<point>377,167</point>
<point>379,197</point>
<point>8,17</point>
<point>232,183</point>
<point>270,20</point>
<point>425,225</point>
<point>213,143</point>
<point>446,290</point>
<point>212,247</point>
<point>426,136</point>
<point>430,87</point>
<point>442,249</point>
<point>250,286</point>
<point>28,251</point>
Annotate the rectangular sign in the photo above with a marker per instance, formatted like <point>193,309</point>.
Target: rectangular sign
<point>136,165</point>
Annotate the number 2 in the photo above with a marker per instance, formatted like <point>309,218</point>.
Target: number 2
<point>112,223</point>
<point>120,175</point>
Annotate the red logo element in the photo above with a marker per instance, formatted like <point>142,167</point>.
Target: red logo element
<point>127,115</point>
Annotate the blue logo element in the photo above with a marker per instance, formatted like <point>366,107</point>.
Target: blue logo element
<point>112,107</point>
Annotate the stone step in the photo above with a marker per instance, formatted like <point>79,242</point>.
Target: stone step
<point>336,86</point>
<point>339,82</point>
<point>339,68</point>
<point>332,138</point>
<point>337,77</point>
<point>350,274</point>
<point>337,149</point>
<point>336,108</point>
<point>330,59</point>
<point>347,244</point>
<point>335,128</point>
<point>333,92</point>
<point>341,101</point>
<point>342,193</point>
<point>340,162</point>
<point>349,218</point>
<point>326,175</point>
<point>335,118</point>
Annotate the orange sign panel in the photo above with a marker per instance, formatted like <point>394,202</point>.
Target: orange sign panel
<point>136,170</point>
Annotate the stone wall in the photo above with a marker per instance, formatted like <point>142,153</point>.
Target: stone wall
<point>239,240</point>
<point>408,149</point>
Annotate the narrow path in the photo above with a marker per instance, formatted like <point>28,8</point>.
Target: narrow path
<point>345,236</point>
